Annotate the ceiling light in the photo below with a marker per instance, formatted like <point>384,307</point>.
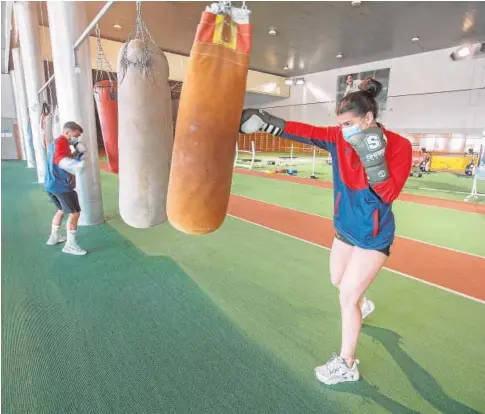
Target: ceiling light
<point>272,31</point>
<point>117,26</point>
<point>286,68</point>
<point>466,51</point>
<point>415,39</point>
<point>463,52</point>
<point>356,3</point>
<point>339,56</point>
<point>300,81</point>
<point>289,82</point>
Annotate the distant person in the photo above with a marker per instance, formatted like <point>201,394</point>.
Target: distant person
<point>60,185</point>
<point>370,167</point>
<point>425,164</point>
<point>352,85</point>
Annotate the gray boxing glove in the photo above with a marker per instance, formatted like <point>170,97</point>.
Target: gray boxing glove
<point>370,145</point>
<point>254,120</point>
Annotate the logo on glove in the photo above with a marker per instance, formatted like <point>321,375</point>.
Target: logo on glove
<point>373,142</point>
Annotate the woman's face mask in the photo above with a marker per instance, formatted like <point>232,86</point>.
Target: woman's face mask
<point>349,131</point>
<point>352,125</point>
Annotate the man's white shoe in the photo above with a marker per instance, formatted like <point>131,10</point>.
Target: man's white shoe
<point>366,307</point>
<point>336,371</point>
<point>55,239</point>
<point>71,246</point>
<point>74,249</point>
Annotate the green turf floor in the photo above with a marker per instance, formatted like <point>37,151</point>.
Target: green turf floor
<point>154,321</point>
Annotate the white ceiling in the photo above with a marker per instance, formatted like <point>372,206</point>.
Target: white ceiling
<point>311,34</point>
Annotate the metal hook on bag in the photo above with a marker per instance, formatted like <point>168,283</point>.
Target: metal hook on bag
<point>225,7</point>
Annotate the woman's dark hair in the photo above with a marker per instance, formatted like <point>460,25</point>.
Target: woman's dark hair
<point>362,101</point>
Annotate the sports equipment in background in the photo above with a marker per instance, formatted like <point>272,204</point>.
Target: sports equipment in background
<point>208,119</point>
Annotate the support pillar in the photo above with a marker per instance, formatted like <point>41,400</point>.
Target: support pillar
<point>74,88</point>
<point>17,112</point>
<point>28,27</point>
<point>23,114</point>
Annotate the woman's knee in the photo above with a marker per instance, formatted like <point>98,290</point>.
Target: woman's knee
<point>348,297</point>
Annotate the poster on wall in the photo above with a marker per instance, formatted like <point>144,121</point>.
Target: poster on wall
<point>350,83</point>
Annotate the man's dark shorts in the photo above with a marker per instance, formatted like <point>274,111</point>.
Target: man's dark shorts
<point>67,202</point>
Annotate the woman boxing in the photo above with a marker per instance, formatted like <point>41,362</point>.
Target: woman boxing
<point>370,168</point>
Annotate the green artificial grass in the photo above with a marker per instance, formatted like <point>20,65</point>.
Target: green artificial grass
<point>157,321</point>
<point>455,229</point>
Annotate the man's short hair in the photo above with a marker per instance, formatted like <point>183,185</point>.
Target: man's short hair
<point>73,127</point>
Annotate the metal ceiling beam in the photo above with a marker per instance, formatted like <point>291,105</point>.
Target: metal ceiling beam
<point>91,25</point>
<point>83,36</point>
<point>49,81</point>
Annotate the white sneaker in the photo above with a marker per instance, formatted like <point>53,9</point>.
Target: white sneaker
<point>55,238</point>
<point>367,307</point>
<point>336,371</point>
<point>74,249</point>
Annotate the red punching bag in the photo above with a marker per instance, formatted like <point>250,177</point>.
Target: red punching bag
<point>106,96</point>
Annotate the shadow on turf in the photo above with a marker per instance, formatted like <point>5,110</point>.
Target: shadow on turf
<point>421,380</point>
<point>120,331</point>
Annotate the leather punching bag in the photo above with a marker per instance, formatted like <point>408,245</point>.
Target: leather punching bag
<point>208,118</point>
<point>145,137</point>
<point>105,94</point>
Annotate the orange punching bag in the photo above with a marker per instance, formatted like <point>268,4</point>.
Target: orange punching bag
<point>208,119</point>
<point>105,94</point>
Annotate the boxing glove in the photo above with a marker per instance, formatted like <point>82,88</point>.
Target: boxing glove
<point>253,120</point>
<point>370,144</point>
<point>79,150</point>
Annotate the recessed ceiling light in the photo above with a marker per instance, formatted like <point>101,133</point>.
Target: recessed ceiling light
<point>289,82</point>
<point>272,31</point>
<point>415,39</point>
<point>464,52</point>
<point>340,56</point>
<point>286,68</point>
<point>300,81</point>
<point>117,26</point>
<point>356,3</point>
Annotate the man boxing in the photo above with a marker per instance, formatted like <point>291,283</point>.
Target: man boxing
<point>60,183</point>
<point>370,167</point>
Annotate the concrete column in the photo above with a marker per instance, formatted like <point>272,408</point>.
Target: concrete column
<point>74,87</point>
<point>23,114</point>
<point>17,112</point>
<point>28,27</point>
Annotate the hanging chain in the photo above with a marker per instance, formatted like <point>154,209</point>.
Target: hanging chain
<point>224,7</point>
<point>139,32</point>
<point>102,62</point>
